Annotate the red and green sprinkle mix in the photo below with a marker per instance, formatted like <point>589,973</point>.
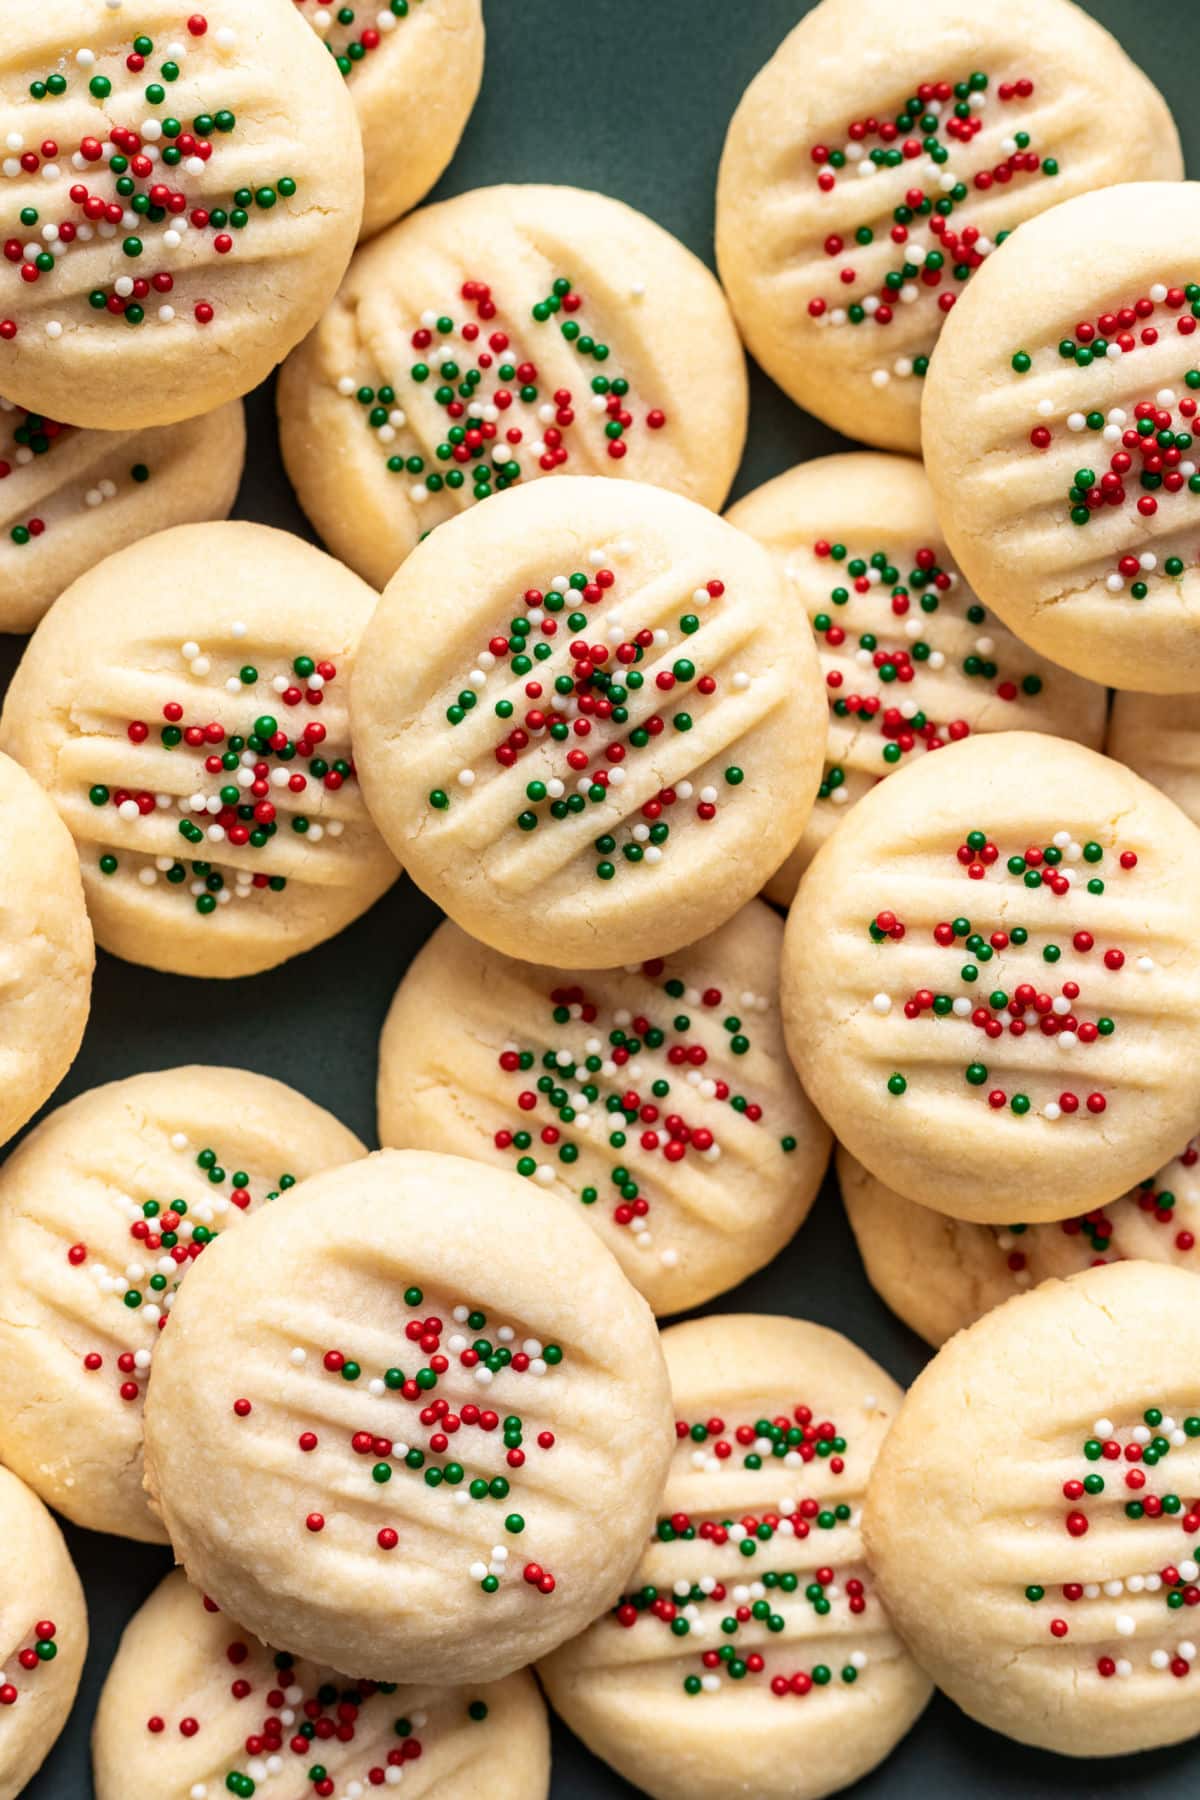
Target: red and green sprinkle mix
<point>500,425</point>
<point>34,436</point>
<point>40,1646</point>
<point>1111,1462</point>
<point>129,182</point>
<point>1028,1006</point>
<point>347,39</point>
<point>938,111</point>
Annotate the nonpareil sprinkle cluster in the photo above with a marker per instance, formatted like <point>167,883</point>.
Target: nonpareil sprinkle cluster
<point>937,125</point>
<point>903,725</point>
<point>1027,1006</point>
<point>137,184</point>
<point>34,436</point>
<point>645,1120</point>
<point>499,424</point>
<point>1109,1462</point>
<point>40,1646</point>
<point>347,38</point>
<point>437,1422</point>
<point>597,686</point>
<point>263,770</point>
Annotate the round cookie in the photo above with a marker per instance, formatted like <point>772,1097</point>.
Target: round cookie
<point>660,1097</point>
<point>507,333</point>
<point>857,539</point>
<point>610,764</point>
<point>414,68</point>
<point>969,120</point>
<point>102,1210</point>
<point>43,1634</point>
<point>1059,421</point>
<point>183,193</point>
<point>775,1673</point>
<point>1161,740</point>
<point>46,950</point>
<point>1024,1520</point>
<point>208,846</point>
<point>172,1723</point>
<point>354,1482</point>
<point>991,979</point>
<point>941,1274</point>
<point>69,498</point>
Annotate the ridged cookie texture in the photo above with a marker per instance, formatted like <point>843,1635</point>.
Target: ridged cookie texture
<point>1031,1520</point>
<point>941,1274</point>
<point>509,333</point>
<point>659,1097</point>
<point>436,1443</point>
<point>46,950</point>
<point>183,191</point>
<point>43,1634</point>
<point>69,498</point>
<point>1160,738</point>
<point>1059,423</point>
<point>911,659</point>
<point>587,719</point>
<point>103,1211</point>
<point>991,980</point>
<point>878,159</point>
<point>184,705</point>
<point>195,1708</point>
<point>413,68</point>
<point>751,1654</point>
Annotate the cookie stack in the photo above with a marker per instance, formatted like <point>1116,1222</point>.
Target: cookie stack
<point>410,1421</point>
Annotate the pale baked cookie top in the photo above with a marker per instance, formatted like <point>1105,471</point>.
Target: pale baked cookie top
<point>43,1634</point>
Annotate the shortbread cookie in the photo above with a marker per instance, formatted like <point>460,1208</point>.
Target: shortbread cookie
<point>506,334</point>
<point>751,1654</point>
<point>1160,738</point>
<point>340,1456</point>
<point>969,120</point>
<point>69,498</point>
<point>659,1097</point>
<point>194,1708</point>
<point>43,1634</point>
<point>1032,1521</point>
<point>589,721</point>
<point>941,1274</point>
<point>184,191</point>
<point>414,68</point>
<point>184,705</point>
<point>911,660</point>
<point>991,977</point>
<point>103,1210</point>
<point>46,951</point>
<point>1059,425</point>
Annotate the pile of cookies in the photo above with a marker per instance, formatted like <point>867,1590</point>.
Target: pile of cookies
<point>410,1426</point>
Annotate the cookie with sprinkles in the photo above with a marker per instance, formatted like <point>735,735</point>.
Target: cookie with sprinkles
<point>991,980</point>
<point>941,1274</point>
<point>104,1209</point>
<point>46,949</point>
<point>1032,1519</point>
<point>43,1634</point>
<point>184,705</point>
<point>1060,428</point>
<point>180,193</point>
<point>436,1440</point>
<point>750,1653</point>
<point>69,498</point>
<point>658,1097</point>
<point>413,68</point>
<point>911,660</point>
<point>589,721</point>
<point>1162,742</point>
<point>968,121</point>
<point>509,333</point>
<point>195,1708</point>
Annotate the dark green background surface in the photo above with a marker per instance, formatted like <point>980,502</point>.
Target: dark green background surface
<point>631,97</point>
